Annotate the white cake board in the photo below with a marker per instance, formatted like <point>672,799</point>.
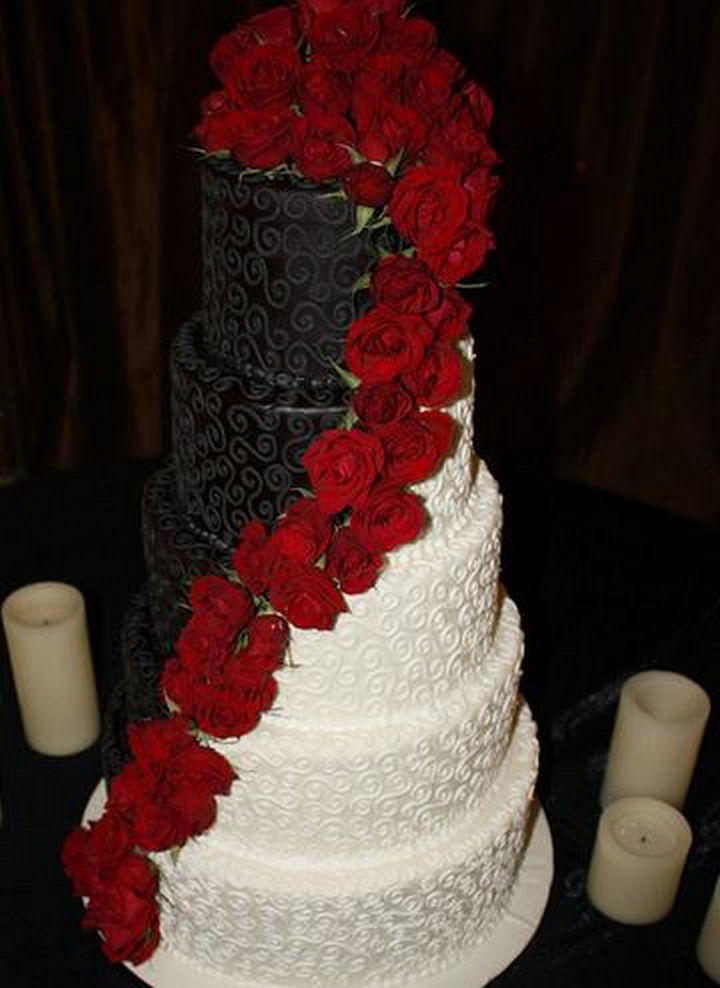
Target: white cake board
<point>506,942</point>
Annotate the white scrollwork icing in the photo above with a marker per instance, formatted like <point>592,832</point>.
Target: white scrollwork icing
<point>381,925</point>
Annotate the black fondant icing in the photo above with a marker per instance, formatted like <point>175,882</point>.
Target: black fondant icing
<point>280,261</point>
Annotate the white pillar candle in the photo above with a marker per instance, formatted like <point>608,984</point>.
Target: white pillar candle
<point>708,945</point>
<point>658,729</point>
<point>47,638</point>
<point>639,855</point>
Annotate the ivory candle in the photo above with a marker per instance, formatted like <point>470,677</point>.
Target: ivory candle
<point>46,631</point>
<point>708,945</point>
<point>638,858</point>
<point>658,729</point>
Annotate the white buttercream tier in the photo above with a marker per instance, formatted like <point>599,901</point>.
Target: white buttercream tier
<point>415,636</point>
<point>382,923</point>
<point>360,786</point>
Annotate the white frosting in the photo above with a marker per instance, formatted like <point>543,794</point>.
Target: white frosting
<point>361,786</point>
<point>379,818</point>
<point>361,926</point>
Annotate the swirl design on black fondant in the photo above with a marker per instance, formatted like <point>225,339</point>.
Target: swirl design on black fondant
<point>239,435</point>
<point>279,264</point>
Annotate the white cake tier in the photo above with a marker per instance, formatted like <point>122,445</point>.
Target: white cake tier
<point>355,787</point>
<point>382,923</point>
<point>415,636</point>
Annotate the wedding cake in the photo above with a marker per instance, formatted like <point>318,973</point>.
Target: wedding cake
<point>319,768</point>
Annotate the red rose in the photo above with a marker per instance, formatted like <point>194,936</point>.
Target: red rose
<point>378,78</point>
<point>322,90</point>
<point>382,344</point>
<point>221,123</point>
<point>265,139</point>
<point>166,792</point>
<point>267,641</point>
<point>264,75</point>
<point>227,605</point>
<point>321,145</point>
<point>386,127</point>
<point>250,558</point>
<point>276,26</point>
<point>368,184</point>
<point>437,380</point>
<point>409,40</point>
<point>451,318</point>
<point>90,854</point>
<point>482,186</point>
<point>306,597</point>
<point>303,532</point>
<point>453,262</point>
<point>390,518</point>
<point>380,406</point>
<point>431,83</point>
<point>416,447</point>
<point>125,911</point>
<point>343,34</point>
<point>405,285</point>
<point>455,140</point>
<point>233,709</point>
<point>352,563</point>
<point>202,647</point>
<point>342,465</point>
<point>430,206</point>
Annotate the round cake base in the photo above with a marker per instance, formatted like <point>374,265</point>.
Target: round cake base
<point>506,942</point>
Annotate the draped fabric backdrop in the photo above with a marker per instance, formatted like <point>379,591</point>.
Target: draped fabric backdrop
<point>598,346</point>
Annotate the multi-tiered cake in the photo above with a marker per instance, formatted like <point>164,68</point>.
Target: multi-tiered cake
<point>323,643</point>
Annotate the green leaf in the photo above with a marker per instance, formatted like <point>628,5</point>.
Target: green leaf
<point>345,376</point>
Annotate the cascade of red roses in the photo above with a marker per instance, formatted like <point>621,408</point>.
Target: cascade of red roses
<point>359,93</point>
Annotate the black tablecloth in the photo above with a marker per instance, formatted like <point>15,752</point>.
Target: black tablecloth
<point>605,587</point>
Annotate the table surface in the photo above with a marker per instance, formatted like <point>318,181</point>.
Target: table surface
<point>606,588</point>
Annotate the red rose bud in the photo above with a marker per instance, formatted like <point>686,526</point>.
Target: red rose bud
<point>380,406</point>
<point>404,285</point>
<point>438,378</point>
<point>353,563</point>
<point>342,465</point>
<point>416,447</point>
<point>368,184</point>
<point>390,518</point>
<point>382,344</point>
<point>303,532</point>
<point>430,206</point>
<point>307,598</point>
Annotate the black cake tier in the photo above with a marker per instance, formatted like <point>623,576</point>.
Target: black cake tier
<point>253,382</point>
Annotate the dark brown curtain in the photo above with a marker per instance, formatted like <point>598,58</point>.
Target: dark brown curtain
<point>598,353</point>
